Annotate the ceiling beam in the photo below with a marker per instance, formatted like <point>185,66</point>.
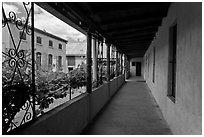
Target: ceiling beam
<point>115,7</point>
<point>133,24</point>
<point>134,36</point>
<point>143,33</point>
<point>133,30</point>
<point>147,39</point>
<point>132,19</point>
<point>136,40</point>
<point>134,44</point>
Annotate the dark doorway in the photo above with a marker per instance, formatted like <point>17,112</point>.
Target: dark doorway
<point>138,68</point>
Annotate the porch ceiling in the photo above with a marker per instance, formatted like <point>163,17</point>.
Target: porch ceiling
<point>131,26</point>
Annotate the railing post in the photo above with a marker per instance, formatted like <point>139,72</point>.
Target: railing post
<point>33,59</point>
<point>108,61</point>
<point>88,62</point>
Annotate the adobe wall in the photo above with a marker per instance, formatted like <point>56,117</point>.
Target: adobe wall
<point>185,115</point>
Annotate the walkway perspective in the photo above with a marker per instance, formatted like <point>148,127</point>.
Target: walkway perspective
<point>132,111</point>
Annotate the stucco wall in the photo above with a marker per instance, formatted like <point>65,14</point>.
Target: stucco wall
<point>133,68</point>
<point>73,116</point>
<point>185,116</point>
<point>45,50</point>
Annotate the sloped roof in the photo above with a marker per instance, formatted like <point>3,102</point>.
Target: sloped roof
<point>76,49</point>
<point>50,35</point>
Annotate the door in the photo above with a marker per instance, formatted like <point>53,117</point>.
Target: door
<point>138,68</point>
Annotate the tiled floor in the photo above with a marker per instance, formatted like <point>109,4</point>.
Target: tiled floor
<point>132,111</point>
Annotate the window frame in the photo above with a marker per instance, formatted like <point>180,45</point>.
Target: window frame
<point>37,38</point>
<point>50,62</point>
<point>153,71</point>
<point>49,43</point>
<point>60,45</point>
<point>59,62</point>
<point>172,59</point>
<point>40,63</point>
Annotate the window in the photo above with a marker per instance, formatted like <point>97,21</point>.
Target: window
<point>60,46</point>
<point>39,40</point>
<point>50,43</point>
<point>59,62</point>
<point>70,69</point>
<point>153,75</point>
<point>71,60</point>
<point>133,63</point>
<point>22,35</point>
<point>172,62</point>
<point>38,60</point>
<point>50,60</point>
<point>148,64</point>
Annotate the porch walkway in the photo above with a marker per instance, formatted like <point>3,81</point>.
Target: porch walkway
<point>132,111</point>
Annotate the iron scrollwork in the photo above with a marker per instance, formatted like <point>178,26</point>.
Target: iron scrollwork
<point>16,67</point>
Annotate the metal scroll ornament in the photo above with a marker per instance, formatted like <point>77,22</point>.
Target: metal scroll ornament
<point>16,71</point>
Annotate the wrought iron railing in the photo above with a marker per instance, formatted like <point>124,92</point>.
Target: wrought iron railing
<point>18,79</point>
<point>28,92</point>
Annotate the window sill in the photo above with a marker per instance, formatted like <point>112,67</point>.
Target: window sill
<point>51,47</point>
<point>172,98</point>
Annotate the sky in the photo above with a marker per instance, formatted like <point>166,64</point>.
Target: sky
<point>45,21</point>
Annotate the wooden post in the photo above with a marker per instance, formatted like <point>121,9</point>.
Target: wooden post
<point>88,62</point>
<point>117,62</point>
<point>108,61</point>
<point>101,75</point>
<point>95,55</point>
<point>121,58</point>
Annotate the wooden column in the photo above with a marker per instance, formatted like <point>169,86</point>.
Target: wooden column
<point>128,68</point>
<point>108,61</point>
<point>95,55</point>
<point>117,62</point>
<point>121,58</point>
<point>101,78</point>
<point>88,62</point>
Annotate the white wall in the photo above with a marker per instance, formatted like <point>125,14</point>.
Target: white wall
<point>185,115</point>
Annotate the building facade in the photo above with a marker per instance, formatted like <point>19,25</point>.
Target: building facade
<point>50,50</point>
<point>75,54</point>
